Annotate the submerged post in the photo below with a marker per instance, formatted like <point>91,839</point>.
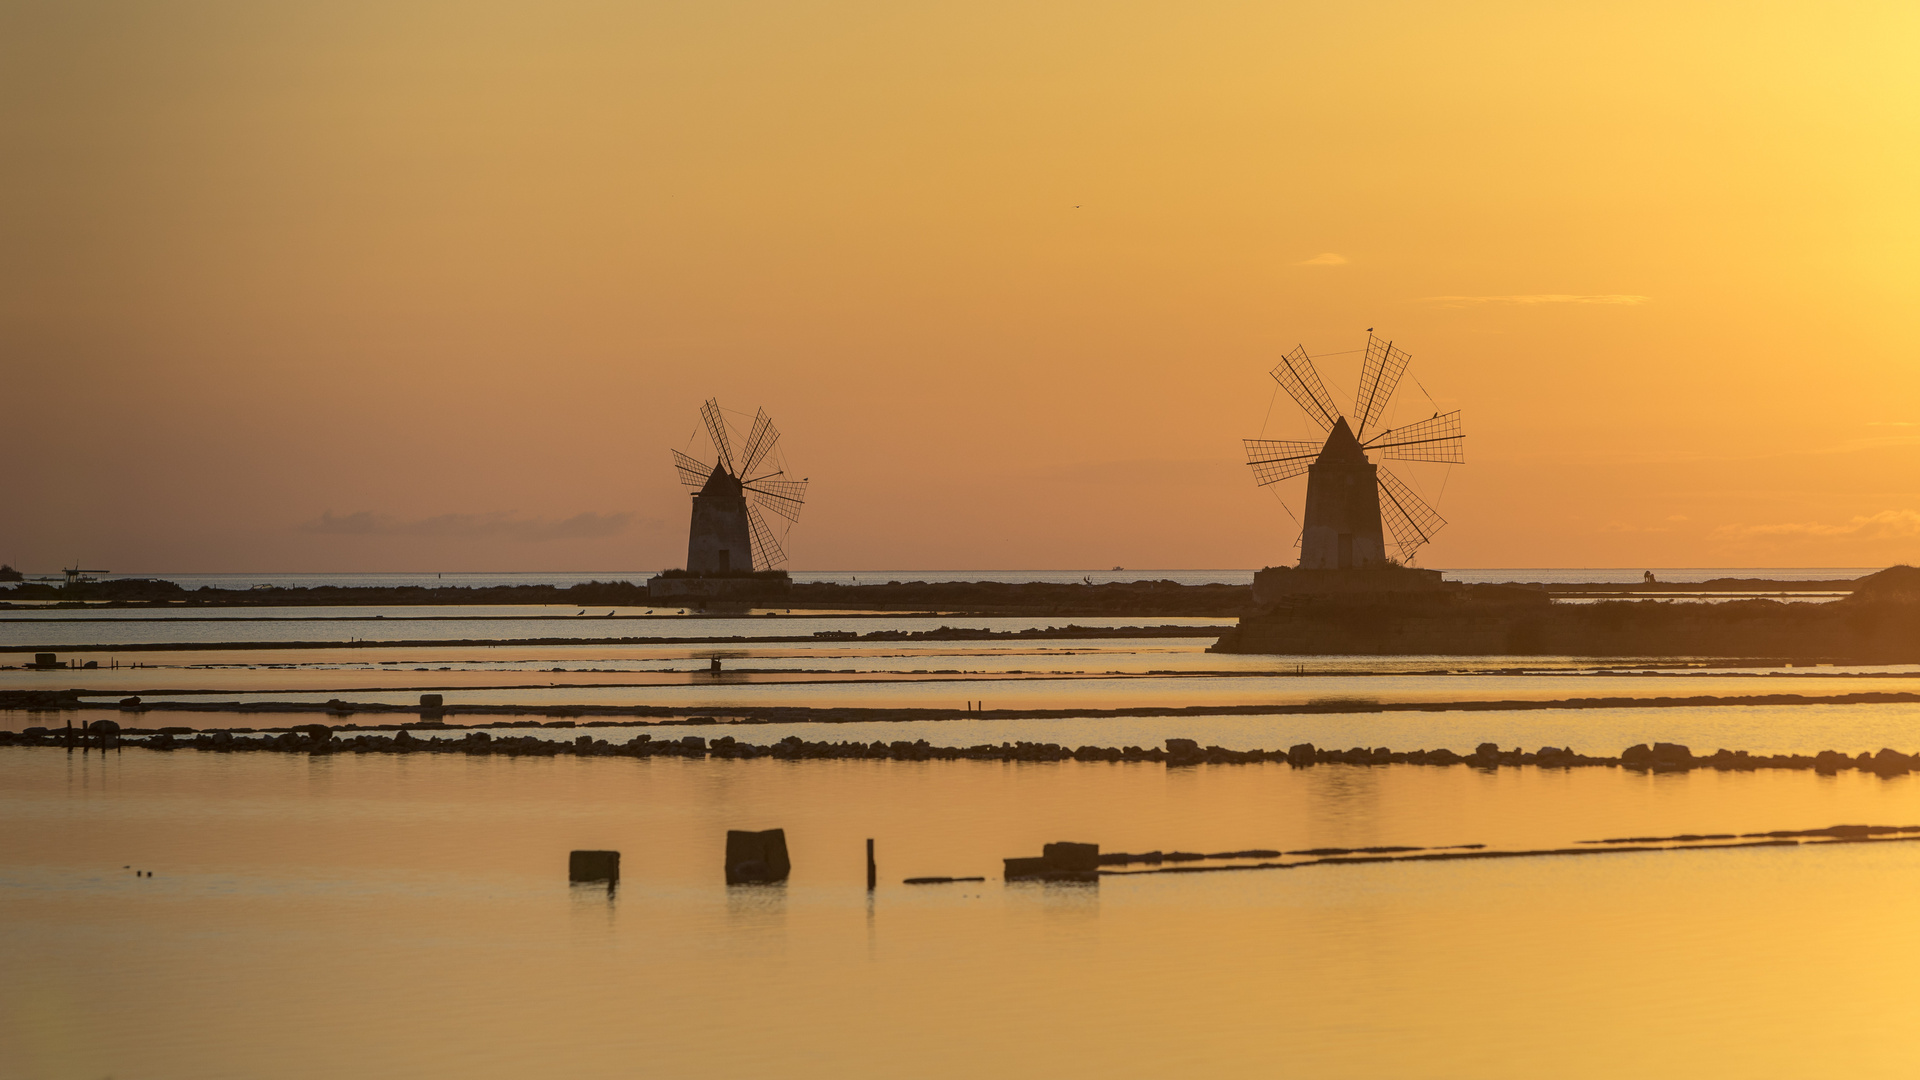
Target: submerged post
<point>873,872</point>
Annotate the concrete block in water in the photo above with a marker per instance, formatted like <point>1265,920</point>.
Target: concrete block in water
<point>1071,856</point>
<point>593,866</point>
<point>431,701</point>
<point>757,856</point>
<point>1057,862</point>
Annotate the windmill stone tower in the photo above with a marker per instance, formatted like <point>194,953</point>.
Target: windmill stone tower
<point>719,534</point>
<point>1353,504</point>
<point>1342,529</point>
<point>732,554</point>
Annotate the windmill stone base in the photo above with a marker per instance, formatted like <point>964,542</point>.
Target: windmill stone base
<point>738,587</point>
<point>1277,583</point>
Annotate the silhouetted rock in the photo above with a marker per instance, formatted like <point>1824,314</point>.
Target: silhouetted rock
<point>1672,754</point>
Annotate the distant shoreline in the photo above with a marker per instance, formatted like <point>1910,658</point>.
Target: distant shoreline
<point>1136,598</point>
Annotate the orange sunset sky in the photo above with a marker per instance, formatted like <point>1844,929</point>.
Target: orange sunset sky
<point>419,286</point>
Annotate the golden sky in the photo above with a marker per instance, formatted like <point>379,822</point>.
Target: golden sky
<point>417,286</point>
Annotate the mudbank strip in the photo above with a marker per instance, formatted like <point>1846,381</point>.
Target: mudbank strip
<point>970,597</point>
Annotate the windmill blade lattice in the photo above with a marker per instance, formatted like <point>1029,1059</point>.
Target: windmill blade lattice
<point>760,440</point>
<point>783,497</point>
<point>693,472</point>
<point>1379,375</point>
<point>1406,515</point>
<point>1274,460</point>
<point>1438,438</point>
<point>717,431</point>
<point>1296,375</point>
<point>767,554</point>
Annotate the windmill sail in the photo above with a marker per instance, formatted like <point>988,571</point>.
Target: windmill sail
<point>782,497</point>
<point>1296,375</point>
<point>692,472</point>
<point>717,431</point>
<point>760,440</point>
<point>1379,375</point>
<point>766,549</point>
<point>1274,460</point>
<point>1435,439</point>
<point>1406,515</point>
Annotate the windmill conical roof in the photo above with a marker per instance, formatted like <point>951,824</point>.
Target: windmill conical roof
<point>721,482</point>
<point>1341,447</point>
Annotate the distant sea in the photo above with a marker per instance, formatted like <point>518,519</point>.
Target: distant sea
<point>872,577</point>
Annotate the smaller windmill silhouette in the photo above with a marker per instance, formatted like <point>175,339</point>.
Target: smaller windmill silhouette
<point>727,533</point>
<point>1349,498</point>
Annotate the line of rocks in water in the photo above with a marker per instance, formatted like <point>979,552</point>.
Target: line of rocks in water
<point>338,709</point>
<point>320,739</point>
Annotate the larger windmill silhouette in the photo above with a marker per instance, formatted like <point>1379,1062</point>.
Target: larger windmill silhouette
<point>1349,497</point>
<point>727,533</point>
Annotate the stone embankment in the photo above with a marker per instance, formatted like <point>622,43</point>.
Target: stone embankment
<point>320,739</point>
<point>1877,622</point>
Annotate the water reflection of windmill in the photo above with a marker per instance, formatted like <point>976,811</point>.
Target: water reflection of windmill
<point>728,534</point>
<point>1349,498</point>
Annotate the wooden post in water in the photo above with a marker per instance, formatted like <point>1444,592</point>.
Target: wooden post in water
<point>873,872</point>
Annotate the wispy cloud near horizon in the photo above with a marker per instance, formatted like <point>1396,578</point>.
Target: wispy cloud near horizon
<point>499,525</point>
<point>1325,258</point>
<point>1885,525</point>
<point>1624,299</point>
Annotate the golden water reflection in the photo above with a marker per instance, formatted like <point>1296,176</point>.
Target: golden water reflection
<point>390,916</point>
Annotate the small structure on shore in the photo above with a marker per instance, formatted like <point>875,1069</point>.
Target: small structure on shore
<point>733,555</point>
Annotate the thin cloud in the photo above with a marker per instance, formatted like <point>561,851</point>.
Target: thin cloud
<point>501,525</point>
<point>1325,258</point>
<point>1885,525</point>
<point>1539,298</point>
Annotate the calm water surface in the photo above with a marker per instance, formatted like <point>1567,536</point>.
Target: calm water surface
<point>374,915</point>
<point>379,916</point>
